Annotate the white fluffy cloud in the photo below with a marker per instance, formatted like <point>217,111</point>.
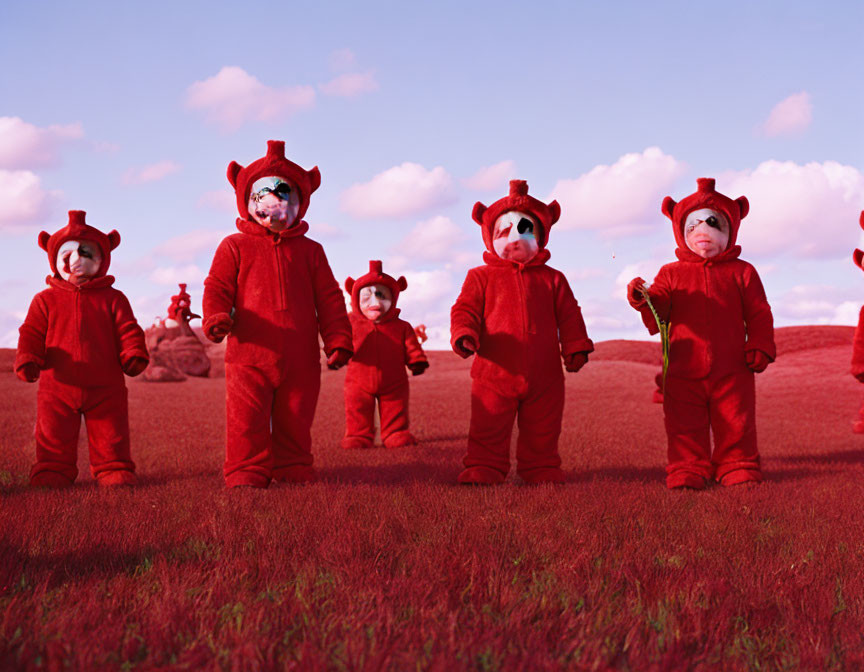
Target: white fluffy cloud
<point>620,199</point>
<point>23,200</point>
<point>233,97</point>
<point>401,191</point>
<point>436,239</point>
<point>150,173</point>
<point>350,85</point>
<point>172,275</point>
<point>188,246</point>
<point>808,211</point>
<point>23,145</point>
<point>223,200</point>
<point>492,177</point>
<point>817,304</point>
<point>790,116</point>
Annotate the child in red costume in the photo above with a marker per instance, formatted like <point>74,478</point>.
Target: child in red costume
<point>383,346</point>
<point>858,343</point>
<point>82,333</point>
<point>271,288</point>
<point>520,318</point>
<point>722,332</point>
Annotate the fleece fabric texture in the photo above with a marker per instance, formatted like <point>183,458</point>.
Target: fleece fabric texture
<point>523,319</point>
<point>280,293</point>
<point>80,337</point>
<point>718,312</point>
<point>858,343</point>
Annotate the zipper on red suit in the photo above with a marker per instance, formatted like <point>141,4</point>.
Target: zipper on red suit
<point>379,378</point>
<point>277,239</point>
<point>78,353</point>
<point>524,301</point>
<point>708,353</point>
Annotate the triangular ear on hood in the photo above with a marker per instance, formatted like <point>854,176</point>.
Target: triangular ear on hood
<point>668,206</point>
<point>113,239</point>
<point>44,237</point>
<point>234,169</point>
<point>858,257</point>
<point>554,211</point>
<point>861,219</point>
<point>402,283</point>
<point>314,179</point>
<point>743,205</point>
<point>349,284</point>
<point>477,212</point>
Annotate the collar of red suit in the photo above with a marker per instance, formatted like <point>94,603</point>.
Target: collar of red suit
<point>255,229</point>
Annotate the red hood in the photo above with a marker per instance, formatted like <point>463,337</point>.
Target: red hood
<point>376,276</point>
<point>78,229</point>
<point>518,199</point>
<point>705,196</point>
<point>858,255</point>
<point>273,164</point>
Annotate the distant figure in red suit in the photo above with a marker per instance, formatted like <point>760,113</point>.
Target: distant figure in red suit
<point>82,334</point>
<point>722,332</point>
<point>420,333</point>
<point>384,346</point>
<point>271,291</point>
<point>858,343</point>
<point>180,310</point>
<point>519,317</point>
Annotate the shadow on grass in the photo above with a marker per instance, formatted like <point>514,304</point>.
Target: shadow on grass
<point>391,474</point>
<point>840,457</point>
<point>620,473</point>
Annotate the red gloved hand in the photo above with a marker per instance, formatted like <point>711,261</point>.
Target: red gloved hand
<point>135,365</point>
<point>28,372</point>
<point>465,347</point>
<point>418,368</point>
<point>860,377</point>
<point>338,358</point>
<point>634,295</point>
<point>757,360</point>
<point>575,361</point>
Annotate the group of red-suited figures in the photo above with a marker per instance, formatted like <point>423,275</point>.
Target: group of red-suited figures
<point>271,291</point>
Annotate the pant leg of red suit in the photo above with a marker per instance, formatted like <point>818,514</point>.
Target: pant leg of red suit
<point>688,430</point>
<point>393,406</point>
<point>492,416</point>
<point>106,416</point>
<point>249,394</point>
<point>293,411</point>
<point>733,421</point>
<point>359,416</point>
<point>539,420</point>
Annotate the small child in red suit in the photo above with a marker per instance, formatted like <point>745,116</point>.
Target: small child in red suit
<point>384,346</point>
<point>858,343</point>
<point>520,318</point>
<point>721,333</point>
<point>79,338</point>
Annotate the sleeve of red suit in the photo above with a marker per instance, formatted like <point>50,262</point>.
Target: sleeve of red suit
<point>858,347</point>
<point>220,287</point>
<point>333,320</point>
<point>129,333</point>
<point>757,315</point>
<point>571,327</point>
<point>466,315</point>
<point>413,350</point>
<point>31,335</point>
<point>660,292</point>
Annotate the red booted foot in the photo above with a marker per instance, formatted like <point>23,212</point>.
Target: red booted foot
<point>296,473</point>
<point>117,477</point>
<point>741,476</point>
<point>355,443</point>
<point>685,479</point>
<point>544,475</point>
<point>400,440</point>
<point>50,479</point>
<point>246,479</point>
<point>858,427</point>
<point>480,476</point>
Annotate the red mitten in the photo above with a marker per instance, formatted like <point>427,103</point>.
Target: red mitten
<point>135,365</point>
<point>575,361</point>
<point>757,360</point>
<point>338,358</point>
<point>465,347</point>
<point>860,377</point>
<point>634,295</point>
<point>418,368</point>
<point>28,372</point>
<point>218,327</point>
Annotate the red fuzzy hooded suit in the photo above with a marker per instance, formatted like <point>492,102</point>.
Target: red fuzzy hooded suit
<point>721,332</point>
<point>79,340</point>
<point>858,343</point>
<point>274,293</point>
<point>523,319</point>
<point>382,351</point>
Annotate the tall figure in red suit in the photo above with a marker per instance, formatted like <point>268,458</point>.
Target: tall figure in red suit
<point>519,317</point>
<point>271,291</point>
<point>858,343</point>
<point>79,338</point>
<point>384,346</point>
<point>721,334</point>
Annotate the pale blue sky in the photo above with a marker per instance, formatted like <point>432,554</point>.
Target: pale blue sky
<point>555,87</point>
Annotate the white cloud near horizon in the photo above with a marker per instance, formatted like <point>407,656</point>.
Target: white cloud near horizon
<point>350,85</point>
<point>190,274</point>
<point>790,116</point>
<point>150,173</point>
<point>496,176</point>
<point>402,191</point>
<point>233,97</point>
<point>619,199</point>
<point>222,200</point>
<point>24,202</point>
<point>188,246</point>
<point>24,146</point>
<point>435,239</point>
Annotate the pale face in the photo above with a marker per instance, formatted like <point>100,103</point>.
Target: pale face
<point>515,237</point>
<point>375,301</point>
<point>706,232</point>
<point>78,261</point>
<point>274,203</point>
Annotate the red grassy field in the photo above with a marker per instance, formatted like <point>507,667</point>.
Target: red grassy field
<point>388,565</point>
